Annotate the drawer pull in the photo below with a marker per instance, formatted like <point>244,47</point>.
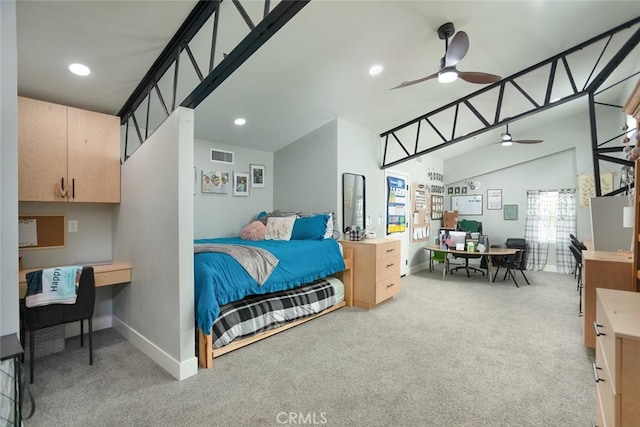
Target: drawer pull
<point>390,265</point>
<point>390,285</point>
<point>390,250</point>
<point>595,328</point>
<point>595,373</point>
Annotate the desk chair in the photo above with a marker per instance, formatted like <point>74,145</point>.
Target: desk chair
<point>466,266</point>
<point>520,258</point>
<point>58,314</point>
<point>578,257</point>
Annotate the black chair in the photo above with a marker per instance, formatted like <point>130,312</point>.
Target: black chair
<point>520,258</point>
<point>468,226</point>
<point>507,262</point>
<point>466,265</point>
<point>578,257</point>
<point>57,314</point>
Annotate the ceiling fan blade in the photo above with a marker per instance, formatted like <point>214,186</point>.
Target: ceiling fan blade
<point>528,141</point>
<point>480,78</point>
<point>412,82</point>
<point>457,49</point>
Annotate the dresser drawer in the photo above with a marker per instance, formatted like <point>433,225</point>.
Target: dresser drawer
<point>604,390</point>
<point>606,341</point>
<point>387,288</point>
<point>386,249</point>
<point>388,267</point>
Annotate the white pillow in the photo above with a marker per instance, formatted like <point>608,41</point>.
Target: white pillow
<point>279,228</point>
<point>329,233</point>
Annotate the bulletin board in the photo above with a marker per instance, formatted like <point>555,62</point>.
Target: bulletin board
<point>41,231</point>
<point>467,204</point>
<point>420,222</point>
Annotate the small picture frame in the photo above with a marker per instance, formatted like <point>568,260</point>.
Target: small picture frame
<point>510,212</point>
<point>464,190</point>
<point>257,175</point>
<point>241,184</point>
<point>456,190</point>
<point>450,190</point>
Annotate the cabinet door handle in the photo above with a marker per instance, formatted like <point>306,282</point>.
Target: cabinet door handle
<point>63,191</point>
<point>73,188</point>
<point>595,373</point>
<point>390,285</point>
<point>390,265</point>
<point>595,328</point>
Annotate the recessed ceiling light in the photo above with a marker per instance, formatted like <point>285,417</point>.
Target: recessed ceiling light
<point>239,121</point>
<point>79,69</point>
<point>375,70</point>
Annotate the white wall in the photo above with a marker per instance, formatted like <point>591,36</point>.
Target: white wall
<point>9,318</point>
<point>153,229</point>
<point>306,176</point>
<point>223,215</point>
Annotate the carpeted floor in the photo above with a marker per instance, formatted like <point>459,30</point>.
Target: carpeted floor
<point>459,352</point>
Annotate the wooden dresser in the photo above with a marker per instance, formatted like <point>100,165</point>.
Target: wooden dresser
<point>617,367</point>
<point>602,269</point>
<point>376,272</point>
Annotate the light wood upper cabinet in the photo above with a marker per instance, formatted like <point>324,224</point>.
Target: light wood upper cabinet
<point>67,154</point>
<point>93,156</point>
<point>42,150</point>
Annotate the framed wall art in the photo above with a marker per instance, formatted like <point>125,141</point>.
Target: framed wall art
<point>241,184</point>
<point>510,212</point>
<point>257,176</point>
<point>494,199</point>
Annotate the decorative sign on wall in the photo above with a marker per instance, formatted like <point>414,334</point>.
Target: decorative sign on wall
<point>421,206</point>
<point>587,187</point>
<point>437,206</point>
<point>494,199</point>
<point>396,205</point>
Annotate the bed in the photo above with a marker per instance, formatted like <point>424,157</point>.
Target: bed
<point>310,278</point>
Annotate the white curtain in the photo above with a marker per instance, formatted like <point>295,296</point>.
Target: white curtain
<point>565,224</point>
<point>536,247</point>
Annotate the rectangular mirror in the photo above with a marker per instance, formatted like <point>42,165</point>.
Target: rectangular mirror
<point>353,201</point>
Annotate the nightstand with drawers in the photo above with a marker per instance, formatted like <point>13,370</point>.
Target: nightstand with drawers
<point>376,272</point>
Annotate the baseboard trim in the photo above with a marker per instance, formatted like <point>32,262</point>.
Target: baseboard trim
<point>179,370</point>
<point>73,329</point>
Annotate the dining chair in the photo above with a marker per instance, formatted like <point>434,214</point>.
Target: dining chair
<point>57,314</point>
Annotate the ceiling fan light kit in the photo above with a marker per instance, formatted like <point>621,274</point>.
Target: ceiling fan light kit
<point>506,139</point>
<point>454,52</point>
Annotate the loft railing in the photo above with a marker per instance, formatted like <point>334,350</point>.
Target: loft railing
<point>179,57</point>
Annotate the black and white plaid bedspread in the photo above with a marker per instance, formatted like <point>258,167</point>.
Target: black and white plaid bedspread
<point>259,313</point>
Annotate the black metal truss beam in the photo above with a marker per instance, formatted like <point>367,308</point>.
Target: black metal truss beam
<point>189,28</point>
<point>262,32</point>
<point>591,87</point>
<point>272,21</point>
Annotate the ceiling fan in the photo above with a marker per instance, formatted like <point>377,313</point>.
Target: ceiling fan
<point>506,139</point>
<point>454,52</point>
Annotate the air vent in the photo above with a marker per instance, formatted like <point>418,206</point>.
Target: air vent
<point>221,156</point>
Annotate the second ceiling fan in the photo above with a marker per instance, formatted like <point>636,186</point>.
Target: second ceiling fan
<point>506,139</point>
<point>454,52</point>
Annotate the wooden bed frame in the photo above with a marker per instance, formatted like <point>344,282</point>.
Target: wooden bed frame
<point>206,352</point>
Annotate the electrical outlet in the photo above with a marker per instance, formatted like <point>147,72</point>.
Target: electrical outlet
<point>73,226</point>
<point>380,220</point>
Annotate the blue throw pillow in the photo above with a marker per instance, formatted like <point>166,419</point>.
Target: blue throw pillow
<point>310,227</point>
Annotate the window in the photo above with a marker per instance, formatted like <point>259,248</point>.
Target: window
<point>548,211</point>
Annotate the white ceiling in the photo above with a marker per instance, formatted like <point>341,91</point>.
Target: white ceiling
<point>315,68</point>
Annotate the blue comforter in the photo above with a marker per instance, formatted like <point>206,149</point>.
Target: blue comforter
<point>220,279</point>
